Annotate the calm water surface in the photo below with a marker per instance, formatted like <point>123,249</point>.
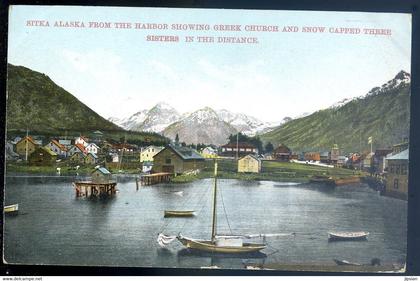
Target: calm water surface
<point>55,227</point>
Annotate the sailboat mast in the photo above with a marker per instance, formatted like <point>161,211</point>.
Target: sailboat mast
<point>213,226</point>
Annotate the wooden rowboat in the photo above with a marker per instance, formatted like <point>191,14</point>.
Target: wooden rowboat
<point>360,235</point>
<point>11,209</point>
<point>169,213</point>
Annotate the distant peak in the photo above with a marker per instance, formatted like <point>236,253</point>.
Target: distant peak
<point>163,105</point>
<point>402,75</point>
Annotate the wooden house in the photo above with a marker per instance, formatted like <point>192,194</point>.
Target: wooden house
<point>249,164</point>
<point>397,175</point>
<point>91,158</point>
<point>324,157</point>
<point>176,159</point>
<point>26,142</point>
<point>335,153</point>
<point>312,156</point>
<point>147,153</point>
<point>82,140</point>
<point>77,158</point>
<point>239,149</point>
<point>282,153</point>
<point>77,148</point>
<point>367,161</point>
<point>92,148</point>
<point>58,148</point>
<point>42,156</point>
<point>101,175</point>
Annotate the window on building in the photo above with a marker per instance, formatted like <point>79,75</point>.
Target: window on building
<point>391,169</point>
<point>403,169</point>
<point>168,161</point>
<point>395,183</point>
<point>397,169</point>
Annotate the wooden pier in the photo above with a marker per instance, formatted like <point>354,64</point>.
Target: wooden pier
<point>93,189</point>
<point>155,178</point>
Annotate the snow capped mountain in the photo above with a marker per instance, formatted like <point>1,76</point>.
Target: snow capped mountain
<point>155,119</point>
<point>401,79</point>
<point>244,123</point>
<point>201,126</point>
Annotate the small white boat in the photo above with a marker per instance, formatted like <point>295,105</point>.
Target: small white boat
<point>359,235</point>
<point>345,262</point>
<point>11,209</point>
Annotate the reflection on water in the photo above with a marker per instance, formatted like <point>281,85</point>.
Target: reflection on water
<point>55,227</point>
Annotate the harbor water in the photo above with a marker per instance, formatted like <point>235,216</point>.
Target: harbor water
<point>56,228</point>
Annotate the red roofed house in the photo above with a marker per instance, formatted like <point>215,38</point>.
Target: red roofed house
<point>58,148</point>
<point>77,148</point>
<point>81,140</point>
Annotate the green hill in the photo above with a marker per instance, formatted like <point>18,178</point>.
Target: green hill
<point>384,114</point>
<point>36,102</point>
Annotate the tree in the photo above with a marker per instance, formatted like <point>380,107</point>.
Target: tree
<point>177,139</point>
<point>269,147</point>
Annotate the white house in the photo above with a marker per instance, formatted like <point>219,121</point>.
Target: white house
<point>209,152</point>
<point>92,148</point>
<point>58,148</point>
<point>115,158</point>
<point>149,152</point>
<point>81,140</point>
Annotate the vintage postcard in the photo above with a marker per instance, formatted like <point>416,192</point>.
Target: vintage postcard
<point>207,138</point>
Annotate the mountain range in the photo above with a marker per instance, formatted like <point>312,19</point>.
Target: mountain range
<point>383,114</point>
<point>204,125</point>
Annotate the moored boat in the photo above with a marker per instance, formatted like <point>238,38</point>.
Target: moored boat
<point>345,262</point>
<point>11,209</point>
<point>173,213</point>
<point>359,235</point>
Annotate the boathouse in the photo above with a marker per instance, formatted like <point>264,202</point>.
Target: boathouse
<point>147,154</point>
<point>397,175</point>
<point>177,159</point>
<point>101,175</point>
<point>249,164</point>
<point>282,153</point>
<point>42,156</point>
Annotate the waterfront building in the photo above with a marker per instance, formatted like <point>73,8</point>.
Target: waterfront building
<point>324,157</point>
<point>58,148</point>
<point>379,161</point>
<point>101,175</point>
<point>147,166</point>
<point>312,156</point>
<point>42,156</point>
<point>249,164</point>
<point>335,153</point>
<point>397,175</point>
<point>282,153</point>
<point>26,143</point>
<point>176,159</point>
<point>147,153</point>
<point>397,148</point>
<point>367,161</point>
<point>239,149</point>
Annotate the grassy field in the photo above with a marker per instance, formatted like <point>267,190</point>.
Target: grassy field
<point>271,170</point>
<point>65,169</point>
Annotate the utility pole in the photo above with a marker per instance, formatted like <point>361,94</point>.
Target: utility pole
<point>237,145</point>
<point>26,145</point>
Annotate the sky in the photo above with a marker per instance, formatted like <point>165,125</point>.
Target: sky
<point>117,72</point>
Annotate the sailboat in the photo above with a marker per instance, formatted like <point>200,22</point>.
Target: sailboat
<point>219,244</point>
